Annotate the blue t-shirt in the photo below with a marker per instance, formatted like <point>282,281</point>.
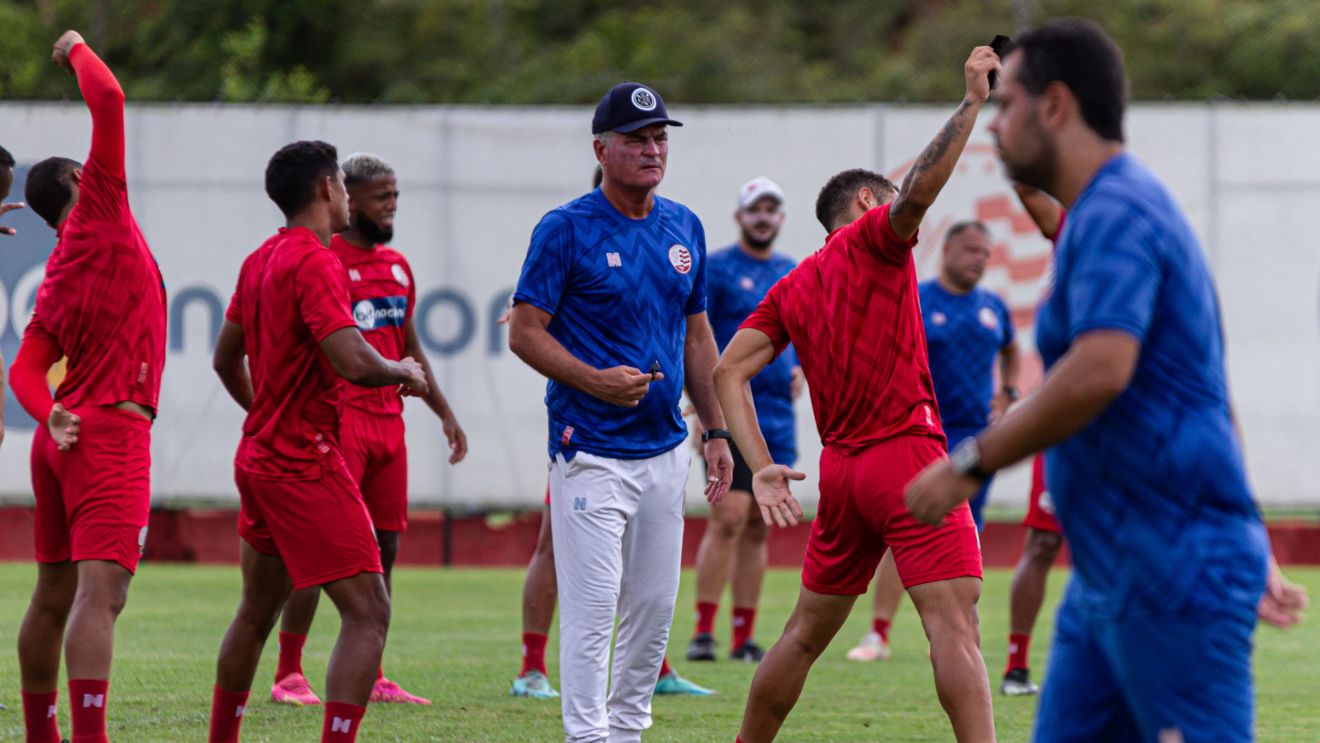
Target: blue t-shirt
<point>964,334</point>
<point>1153,493</point>
<point>736,284</point>
<point>620,291</point>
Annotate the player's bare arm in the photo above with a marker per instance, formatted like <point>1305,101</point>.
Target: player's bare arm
<point>935,163</point>
<point>530,341</point>
<point>747,354</point>
<point>700,355</point>
<point>435,399</point>
<point>356,361</point>
<point>1010,367</point>
<point>229,363</point>
<point>1090,376</point>
<point>5,209</point>
<point>1044,210</point>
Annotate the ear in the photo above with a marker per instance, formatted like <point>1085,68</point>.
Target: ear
<point>326,188</point>
<point>1057,105</point>
<point>866,198</point>
<point>599,147</point>
<point>76,176</point>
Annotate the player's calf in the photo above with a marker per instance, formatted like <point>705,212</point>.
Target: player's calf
<point>948,614</point>
<point>364,615</point>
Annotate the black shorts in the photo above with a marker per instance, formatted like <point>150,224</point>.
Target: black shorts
<point>742,474</point>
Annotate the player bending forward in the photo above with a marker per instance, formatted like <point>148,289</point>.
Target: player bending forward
<point>852,314</point>
<point>101,304</point>
<point>382,293</point>
<point>302,518</point>
<point>1171,559</point>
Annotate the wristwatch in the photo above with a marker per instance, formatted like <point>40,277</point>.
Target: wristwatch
<point>1012,392</point>
<point>966,460</point>
<point>716,433</point>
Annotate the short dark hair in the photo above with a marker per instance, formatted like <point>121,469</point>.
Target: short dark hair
<point>960,227</point>
<point>294,171</point>
<point>1079,54</point>
<point>6,159</point>
<point>832,203</point>
<point>49,187</point>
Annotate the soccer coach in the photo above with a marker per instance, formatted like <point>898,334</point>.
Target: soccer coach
<point>611,306</point>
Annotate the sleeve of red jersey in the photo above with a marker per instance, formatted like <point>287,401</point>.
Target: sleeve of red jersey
<point>766,318</point>
<point>322,292</point>
<point>412,289</point>
<point>234,313</point>
<point>27,377</point>
<point>103,190</point>
<point>878,236</point>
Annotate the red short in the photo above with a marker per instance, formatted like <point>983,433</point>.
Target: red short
<point>320,528</point>
<point>1040,507</point>
<point>94,500</point>
<point>861,512</point>
<point>377,458</point>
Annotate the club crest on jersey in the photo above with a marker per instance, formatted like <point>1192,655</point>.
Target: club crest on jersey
<point>370,314</point>
<point>988,318</point>
<point>938,318</point>
<point>747,283</point>
<point>643,99</point>
<point>400,275</point>
<point>354,275</point>
<point>679,257</point>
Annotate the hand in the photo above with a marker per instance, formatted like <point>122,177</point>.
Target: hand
<point>5,209</point>
<point>63,426</point>
<point>622,385</point>
<point>508,313</point>
<point>999,404</point>
<point>1283,601</point>
<point>416,385</point>
<point>770,488</point>
<point>63,47</point>
<point>936,491</point>
<point>457,439</point>
<point>719,469</point>
<point>798,383</point>
<point>977,70</point>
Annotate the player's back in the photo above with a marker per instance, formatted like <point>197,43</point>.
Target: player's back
<point>382,293</point>
<point>291,294</point>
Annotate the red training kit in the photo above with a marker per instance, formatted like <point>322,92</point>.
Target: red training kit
<point>382,294</point>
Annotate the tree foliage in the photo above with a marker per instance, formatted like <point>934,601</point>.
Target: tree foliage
<point>695,51</point>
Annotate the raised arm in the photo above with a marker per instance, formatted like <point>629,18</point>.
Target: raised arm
<point>104,98</point>
<point>935,163</point>
<point>1044,210</point>
<point>435,399</point>
<point>700,355</point>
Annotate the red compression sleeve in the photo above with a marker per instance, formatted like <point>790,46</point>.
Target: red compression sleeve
<point>106,100</point>
<point>27,376</point>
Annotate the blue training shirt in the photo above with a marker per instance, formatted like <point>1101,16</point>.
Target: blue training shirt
<point>1153,493</point>
<point>736,284</point>
<point>620,291</point>
<point>964,334</point>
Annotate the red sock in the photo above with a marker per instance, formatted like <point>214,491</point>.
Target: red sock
<point>341,722</point>
<point>744,620</point>
<point>533,652</point>
<point>881,627</point>
<point>664,666</point>
<point>380,674</point>
<point>227,708</point>
<point>1018,646</point>
<point>706,616</point>
<point>39,718</point>
<point>291,647</point>
<point>88,698</point>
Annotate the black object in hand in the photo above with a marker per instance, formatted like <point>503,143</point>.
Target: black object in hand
<point>1000,46</point>
<point>655,367</point>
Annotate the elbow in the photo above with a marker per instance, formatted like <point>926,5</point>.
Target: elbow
<point>726,375</point>
<point>518,341</point>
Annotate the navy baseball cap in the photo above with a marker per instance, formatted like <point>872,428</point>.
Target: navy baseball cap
<point>629,107</point>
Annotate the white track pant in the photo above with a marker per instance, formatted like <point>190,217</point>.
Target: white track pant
<point>618,531</point>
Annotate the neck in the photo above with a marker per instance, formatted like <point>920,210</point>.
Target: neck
<point>633,203</point>
<point>952,286</point>
<point>317,221</point>
<point>355,238</point>
<point>1083,161</point>
<point>760,254</point>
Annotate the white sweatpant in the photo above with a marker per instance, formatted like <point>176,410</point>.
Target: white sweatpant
<point>618,531</point>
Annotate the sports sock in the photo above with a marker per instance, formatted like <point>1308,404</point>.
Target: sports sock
<point>88,699</point>
<point>881,627</point>
<point>227,708</point>
<point>664,667</point>
<point>39,718</point>
<point>706,616</point>
<point>380,674</point>
<point>533,652</point>
<point>291,647</point>
<point>341,722</point>
<point>1018,646</point>
<point>744,620</point>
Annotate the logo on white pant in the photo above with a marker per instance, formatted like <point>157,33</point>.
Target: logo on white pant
<point>579,504</point>
<point>339,725</point>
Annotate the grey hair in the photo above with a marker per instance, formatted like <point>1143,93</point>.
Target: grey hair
<point>605,137</point>
<point>362,167</point>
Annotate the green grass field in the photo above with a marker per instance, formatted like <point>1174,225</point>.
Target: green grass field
<point>455,639</point>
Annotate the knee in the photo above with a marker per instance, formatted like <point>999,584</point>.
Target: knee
<point>724,527</point>
<point>370,608</point>
<point>1044,547</point>
<point>755,531</point>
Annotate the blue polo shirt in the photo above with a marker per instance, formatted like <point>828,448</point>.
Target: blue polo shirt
<point>964,334</point>
<point>619,291</point>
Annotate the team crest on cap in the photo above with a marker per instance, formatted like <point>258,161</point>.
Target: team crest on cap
<point>644,99</point>
<point>988,318</point>
<point>400,275</point>
<point>679,257</point>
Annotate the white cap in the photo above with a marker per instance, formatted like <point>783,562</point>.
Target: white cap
<point>755,189</point>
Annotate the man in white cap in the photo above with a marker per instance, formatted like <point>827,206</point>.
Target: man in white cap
<point>733,549</point>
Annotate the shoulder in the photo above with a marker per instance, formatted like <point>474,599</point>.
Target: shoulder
<point>1129,197</point>
<point>390,255</point>
<point>782,261</point>
<point>683,217</point>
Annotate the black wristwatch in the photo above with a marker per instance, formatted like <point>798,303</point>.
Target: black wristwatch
<point>966,460</point>
<point>1012,392</point>
<point>716,433</point>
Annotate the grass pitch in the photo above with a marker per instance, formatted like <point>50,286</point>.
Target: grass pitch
<point>455,639</point>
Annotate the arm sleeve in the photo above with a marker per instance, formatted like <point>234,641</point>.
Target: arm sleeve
<point>27,376</point>
<point>549,263</point>
<point>1115,278</point>
<point>697,299</point>
<point>875,232</point>
<point>766,318</point>
<point>322,289</point>
<point>105,99</point>
<point>234,313</point>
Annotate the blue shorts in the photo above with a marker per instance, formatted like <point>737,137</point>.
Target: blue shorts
<point>1140,674</point>
<point>977,503</point>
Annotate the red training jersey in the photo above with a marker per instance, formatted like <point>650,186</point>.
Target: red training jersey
<point>382,294</point>
<point>291,294</point>
<point>102,300</point>
<point>852,314</point>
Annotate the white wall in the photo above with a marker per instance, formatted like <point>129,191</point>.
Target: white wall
<point>476,180</point>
